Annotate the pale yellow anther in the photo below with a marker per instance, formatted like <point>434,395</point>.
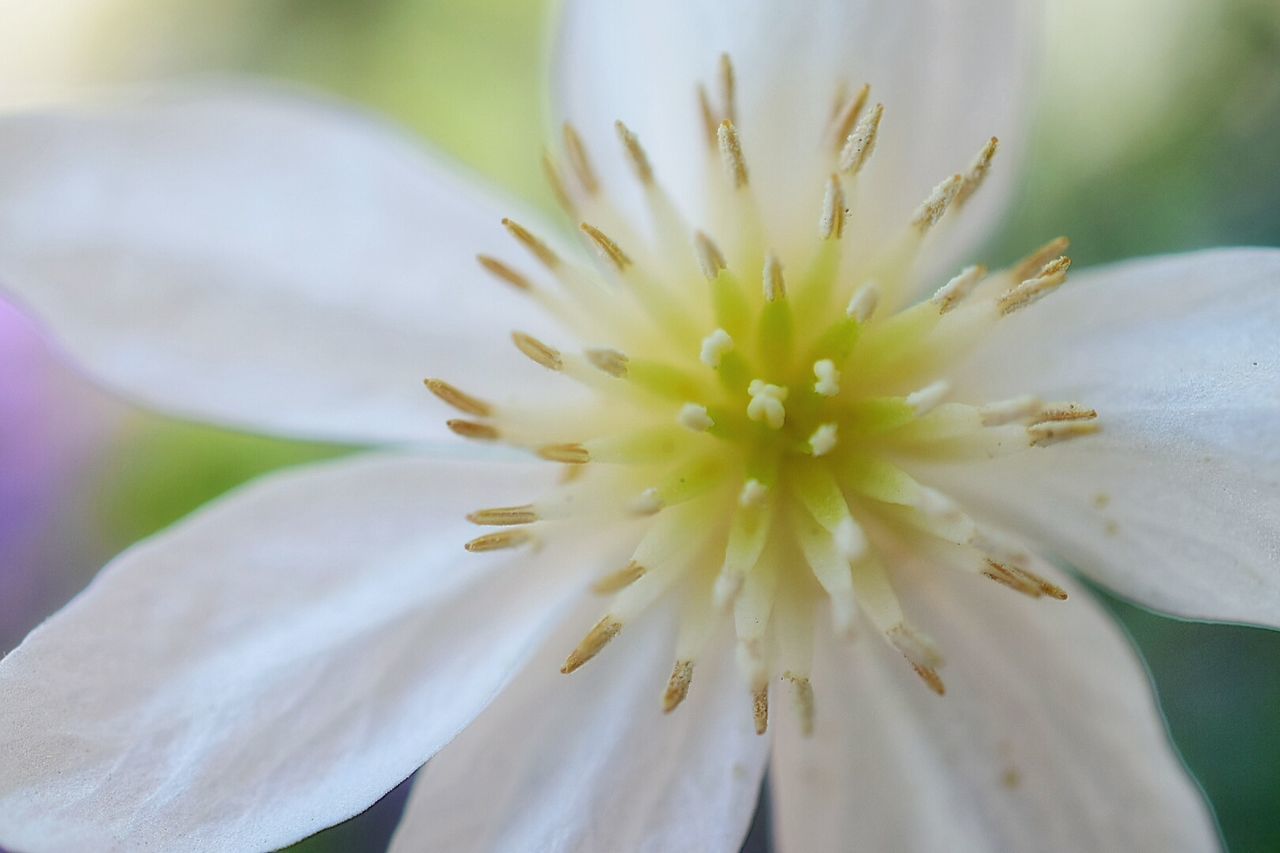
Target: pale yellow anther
<point>760,709</point>
<point>831,225</point>
<point>1030,266</point>
<point>714,346</point>
<point>710,122</point>
<point>459,399</point>
<point>504,516</point>
<point>823,440</point>
<point>695,417</point>
<point>828,376</point>
<point>847,115</point>
<point>766,403</point>
<point>753,493</point>
<point>802,691</point>
<point>915,647</point>
<point>1010,411</point>
<point>610,361</point>
<point>619,580</point>
<point>864,302</point>
<point>929,397</point>
<point>539,249</point>
<point>774,286</point>
<point>579,161</point>
<point>735,164</point>
<point>558,189</point>
<point>599,636</point>
<point>728,87</point>
<point>978,172</point>
<point>538,352</point>
<point>570,454</point>
<point>932,208</point>
<point>950,294</point>
<point>1065,412</point>
<point>861,144</point>
<point>1052,276</point>
<point>473,430</point>
<point>677,686</point>
<point>635,153</point>
<point>710,259</point>
<point>503,272</point>
<point>499,541</point>
<point>609,250</point>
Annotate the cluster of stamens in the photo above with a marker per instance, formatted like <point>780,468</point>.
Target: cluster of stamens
<point>764,412</point>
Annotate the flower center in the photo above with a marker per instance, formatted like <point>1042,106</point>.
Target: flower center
<point>765,413</point>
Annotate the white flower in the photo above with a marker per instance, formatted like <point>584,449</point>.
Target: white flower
<point>766,421</point>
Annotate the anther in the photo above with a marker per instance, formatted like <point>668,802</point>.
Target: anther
<point>846,118</point>
<point>766,403</point>
<point>933,207</point>
<point>803,692</point>
<point>599,636</point>
<point>639,160</point>
<point>619,580</point>
<point>1065,412</point>
<point>1009,411</point>
<point>1050,278</point>
<point>831,225</point>
<point>950,294</point>
<point>728,87</point>
<point>929,397</point>
<point>914,646</point>
<point>499,541</point>
<point>570,454</point>
<point>473,430</point>
<point>1026,582</point>
<point>1029,266</point>
<point>978,172</point>
<point>579,161</point>
<point>503,272</point>
<point>714,346</point>
<point>539,249</point>
<point>609,250</point>
<point>863,304</point>
<point>823,440</point>
<point>861,144</point>
<point>556,183</point>
<point>610,361</point>
<point>677,686</point>
<point>538,352</point>
<point>1052,432</point>
<point>460,400</point>
<point>710,259</point>
<point>735,164</point>
<point>774,287</point>
<point>695,417</point>
<point>760,708</point>
<point>504,516</point>
<point>828,384</point>
<point>753,493</point>
<point>930,677</point>
<point>708,113</point>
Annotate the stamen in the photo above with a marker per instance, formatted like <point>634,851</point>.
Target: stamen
<point>461,401</point>
<point>579,161</point>
<point>1009,411</point>
<point>695,417</point>
<point>1052,432</point>
<point>862,142</point>
<point>538,352</point>
<point>570,454</point>
<point>471,429</point>
<point>950,294</point>
<point>845,119</point>
<point>499,541</point>
<point>774,287</point>
<point>933,207</point>
<point>863,304</point>
<point>766,403</point>
<point>760,708</point>
<point>610,361</point>
<point>609,250</point>
<point>599,636</point>
<point>735,164</point>
<point>1065,412</point>
<point>831,226</point>
<point>728,88</point>
<point>914,646</point>
<point>503,272</point>
<point>678,686</point>
<point>823,440</point>
<point>504,516</point>
<point>928,398</point>
<point>619,580</point>
<point>708,113</point>
<point>539,249</point>
<point>714,346</point>
<point>1029,266</point>
<point>828,384</point>
<point>556,183</point>
<point>635,153</point>
<point>710,259</point>
<point>1051,277</point>
<point>753,493</point>
<point>930,677</point>
<point>977,172</point>
<point>803,695</point>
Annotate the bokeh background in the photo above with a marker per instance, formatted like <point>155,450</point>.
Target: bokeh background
<point>1156,131</point>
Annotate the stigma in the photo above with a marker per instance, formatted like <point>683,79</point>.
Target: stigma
<point>765,412</point>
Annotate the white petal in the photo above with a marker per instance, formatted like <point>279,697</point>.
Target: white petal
<point>1177,502</point>
<point>270,666</point>
<point>256,259</point>
<point>589,762</point>
<point>1048,737</point>
<point>951,75</point>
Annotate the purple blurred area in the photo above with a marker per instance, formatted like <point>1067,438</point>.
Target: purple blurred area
<point>52,429</point>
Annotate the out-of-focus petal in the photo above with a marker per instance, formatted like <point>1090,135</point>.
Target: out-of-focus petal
<point>1048,737</point>
<point>1176,503</point>
<point>589,761</point>
<point>257,259</point>
<point>270,666</point>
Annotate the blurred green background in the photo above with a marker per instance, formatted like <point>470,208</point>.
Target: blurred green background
<point>1157,131</point>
